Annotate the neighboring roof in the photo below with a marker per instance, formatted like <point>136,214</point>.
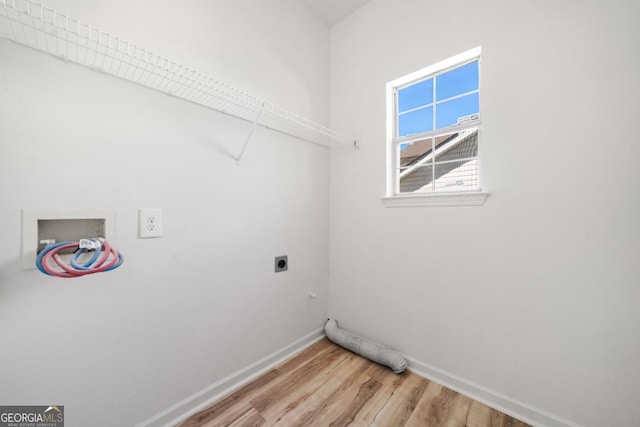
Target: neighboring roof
<point>420,149</point>
<point>417,174</point>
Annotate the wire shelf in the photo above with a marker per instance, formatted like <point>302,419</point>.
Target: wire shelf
<point>35,26</point>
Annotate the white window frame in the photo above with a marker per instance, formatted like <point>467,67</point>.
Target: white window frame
<point>393,197</point>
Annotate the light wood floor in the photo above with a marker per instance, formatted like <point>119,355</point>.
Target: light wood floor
<point>326,385</point>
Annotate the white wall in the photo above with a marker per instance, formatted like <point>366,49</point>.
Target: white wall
<point>535,294</point>
<point>202,302</point>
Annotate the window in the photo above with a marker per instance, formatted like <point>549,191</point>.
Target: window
<point>433,127</point>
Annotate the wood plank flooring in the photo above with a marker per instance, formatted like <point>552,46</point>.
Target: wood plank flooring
<point>326,385</point>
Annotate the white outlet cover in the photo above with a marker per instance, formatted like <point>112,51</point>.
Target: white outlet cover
<point>150,222</point>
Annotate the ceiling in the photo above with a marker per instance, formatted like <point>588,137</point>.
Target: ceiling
<point>333,11</point>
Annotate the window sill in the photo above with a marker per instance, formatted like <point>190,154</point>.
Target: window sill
<point>441,199</point>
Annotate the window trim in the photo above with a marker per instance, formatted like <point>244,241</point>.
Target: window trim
<point>394,199</point>
<point>467,198</point>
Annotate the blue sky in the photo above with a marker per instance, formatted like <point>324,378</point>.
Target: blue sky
<point>416,103</point>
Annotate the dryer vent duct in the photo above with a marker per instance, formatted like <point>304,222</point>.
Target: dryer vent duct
<point>366,348</point>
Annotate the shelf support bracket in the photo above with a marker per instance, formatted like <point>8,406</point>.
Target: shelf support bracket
<point>253,128</point>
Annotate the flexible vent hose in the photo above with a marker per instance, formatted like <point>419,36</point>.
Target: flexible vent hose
<point>364,347</point>
<point>104,258</point>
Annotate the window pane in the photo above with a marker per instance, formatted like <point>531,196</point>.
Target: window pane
<point>415,122</point>
<point>457,176</point>
<point>448,112</point>
<point>416,179</point>
<point>415,95</point>
<point>415,152</point>
<point>457,81</point>
<point>458,146</point>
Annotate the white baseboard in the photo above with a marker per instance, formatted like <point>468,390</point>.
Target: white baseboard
<point>203,398</point>
<point>520,410</point>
